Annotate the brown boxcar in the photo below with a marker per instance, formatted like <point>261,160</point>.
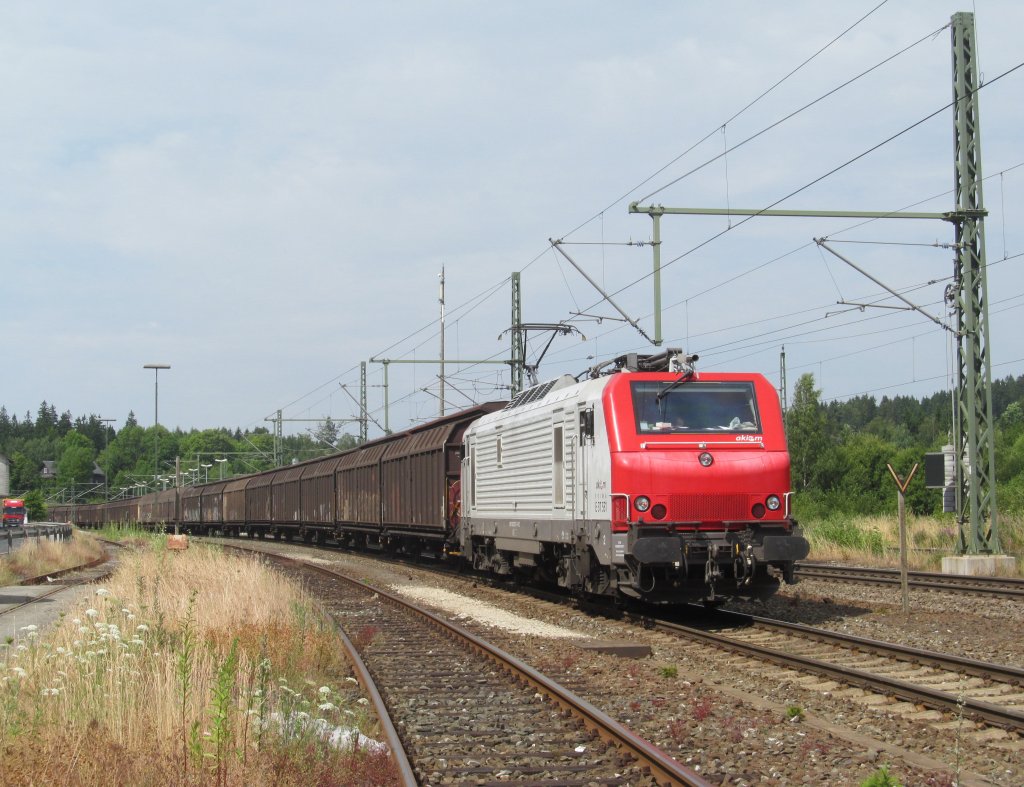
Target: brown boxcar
<point>212,512</point>
<point>417,470</point>
<point>357,486</point>
<point>317,491</point>
<point>120,512</point>
<point>191,505</point>
<point>286,495</point>
<point>234,499</point>
<point>84,515</point>
<point>259,501</point>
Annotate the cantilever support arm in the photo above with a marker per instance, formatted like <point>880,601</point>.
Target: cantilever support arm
<point>890,290</point>
<point>557,246</point>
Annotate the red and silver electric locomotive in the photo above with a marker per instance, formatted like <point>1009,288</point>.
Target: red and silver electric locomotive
<point>651,482</point>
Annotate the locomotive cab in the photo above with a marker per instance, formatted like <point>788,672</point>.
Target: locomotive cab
<point>700,475</point>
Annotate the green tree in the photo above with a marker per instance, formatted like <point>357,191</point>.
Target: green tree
<point>24,472</point>
<point>805,429</point>
<point>76,460</point>
<point>326,433</point>
<point>35,506</point>
<point>124,451</point>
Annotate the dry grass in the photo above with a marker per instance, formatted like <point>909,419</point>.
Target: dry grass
<point>875,540</point>
<point>39,556</point>
<point>187,668</point>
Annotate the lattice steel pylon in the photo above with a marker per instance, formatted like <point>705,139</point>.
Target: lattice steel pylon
<point>973,427</point>
<point>517,363</point>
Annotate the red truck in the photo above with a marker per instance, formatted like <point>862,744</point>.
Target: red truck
<point>14,512</point>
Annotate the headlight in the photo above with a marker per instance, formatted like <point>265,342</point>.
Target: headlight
<point>773,502</point>
<point>706,459</point>
<point>642,503</point>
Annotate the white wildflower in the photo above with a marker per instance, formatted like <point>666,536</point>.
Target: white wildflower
<point>91,612</point>
<point>30,627</point>
<point>363,701</point>
<point>324,690</point>
<point>76,621</point>
<point>142,627</point>
<point>351,680</point>
<point>19,672</point>
<point>327,706</point>
<point>102,592</point>
<point>137,641</point>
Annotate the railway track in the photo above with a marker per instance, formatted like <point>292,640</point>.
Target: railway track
<point>989,694</point>
<point>1010,587</point>
<point>467,711</point>
<point>61,583</point>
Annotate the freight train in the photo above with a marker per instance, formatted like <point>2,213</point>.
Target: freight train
<point>645,480</point>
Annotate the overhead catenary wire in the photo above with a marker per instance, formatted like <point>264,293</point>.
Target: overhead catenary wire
<point>794,113</point>
<point>708,352</point>
<point>806,186</point>
<point>735,115</point>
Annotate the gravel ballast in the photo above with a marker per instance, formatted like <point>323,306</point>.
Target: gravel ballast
<point>741,722</point>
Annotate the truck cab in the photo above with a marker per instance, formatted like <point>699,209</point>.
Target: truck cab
<point>15,513</point>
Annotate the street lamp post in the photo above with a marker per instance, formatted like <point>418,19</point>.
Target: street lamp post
<point>106,437</point>
<point>206,472</point>
<point>221,463</point>
<point>156,367</point>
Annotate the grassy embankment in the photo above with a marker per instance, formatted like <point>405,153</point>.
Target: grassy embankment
<point>186,668</point>
<point>37,557</point>
<point>875,540</point>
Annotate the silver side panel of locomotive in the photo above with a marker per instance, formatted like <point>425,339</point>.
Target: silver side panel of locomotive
<point>531,475</point>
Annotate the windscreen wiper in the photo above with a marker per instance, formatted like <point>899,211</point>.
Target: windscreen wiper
<point>676,382</point>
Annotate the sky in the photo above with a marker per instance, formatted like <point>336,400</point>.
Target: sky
<point>263,195</point>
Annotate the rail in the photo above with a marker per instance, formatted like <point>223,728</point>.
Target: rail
<point>1011,587</point>
<point>1007,716</point>
<point>661,766</point>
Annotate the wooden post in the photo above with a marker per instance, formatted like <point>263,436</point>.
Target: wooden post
<point>902,487</point>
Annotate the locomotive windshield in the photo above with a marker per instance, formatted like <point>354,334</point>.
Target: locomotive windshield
<point>694,407</point>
